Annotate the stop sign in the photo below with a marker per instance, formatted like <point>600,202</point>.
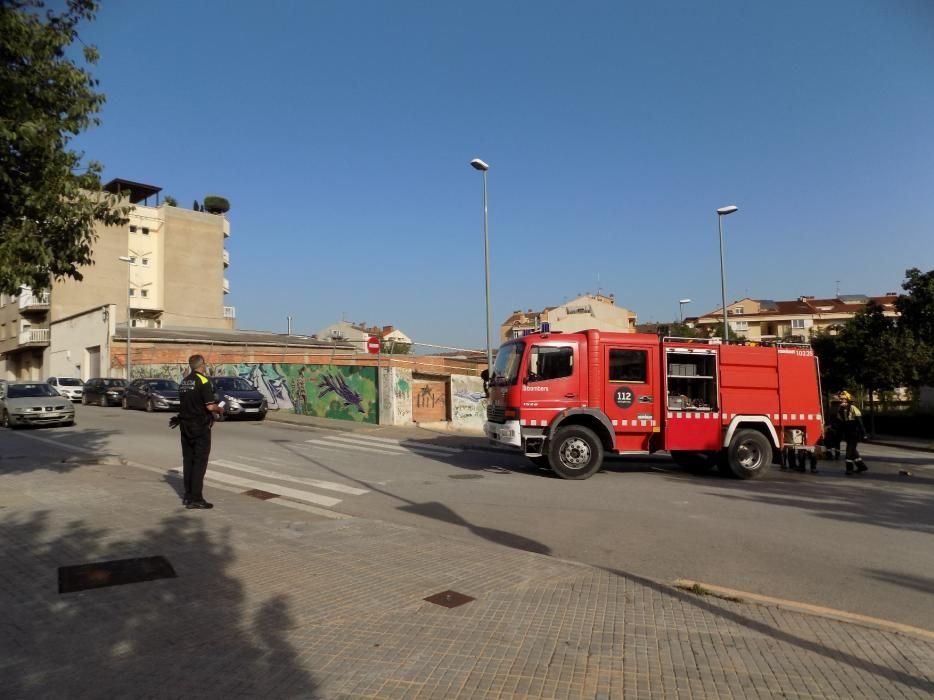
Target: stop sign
<point>372,345</point>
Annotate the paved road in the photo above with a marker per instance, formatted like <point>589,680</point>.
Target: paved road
<point>858,544</point>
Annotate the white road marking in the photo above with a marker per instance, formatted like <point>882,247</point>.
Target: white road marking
<point>296,494</point>
<point>330,445</point>
<point>398,446</point>
<point>316,483</point>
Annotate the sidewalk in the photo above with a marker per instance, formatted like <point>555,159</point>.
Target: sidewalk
<point>905,443</point>
<point>275,602</point>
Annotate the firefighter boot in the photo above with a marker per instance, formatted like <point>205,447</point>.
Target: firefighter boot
<point>812,460</point>
<point>861,466</point>
<point>849,467</point>
<point>836,455</point>
<point>799,458</point>
<point>783,462</point>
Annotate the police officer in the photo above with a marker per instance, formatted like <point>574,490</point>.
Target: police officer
<point>851,420</point>
<point>198,406</point>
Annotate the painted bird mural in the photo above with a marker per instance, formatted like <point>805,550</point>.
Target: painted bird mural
<point>337,384</point>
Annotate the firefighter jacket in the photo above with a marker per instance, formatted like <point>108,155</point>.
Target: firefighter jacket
<point>851,420</point>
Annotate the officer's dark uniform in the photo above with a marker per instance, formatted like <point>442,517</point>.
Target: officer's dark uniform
<point>195,393</point>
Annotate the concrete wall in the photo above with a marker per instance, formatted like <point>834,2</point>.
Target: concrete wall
<point>73,341</point>
<point>468,403</point>
<point>395,396</point>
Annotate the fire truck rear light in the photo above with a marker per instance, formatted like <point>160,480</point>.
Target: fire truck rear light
<point>511,414</point>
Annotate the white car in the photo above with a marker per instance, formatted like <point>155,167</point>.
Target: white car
<point>70,387</point>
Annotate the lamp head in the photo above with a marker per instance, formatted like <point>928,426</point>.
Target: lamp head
<point>125,258</point>
<point>684,301</point>
<point>478,164</point>
<point>723,211</point>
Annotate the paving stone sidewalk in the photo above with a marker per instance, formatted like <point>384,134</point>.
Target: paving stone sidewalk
<point>271,602</point>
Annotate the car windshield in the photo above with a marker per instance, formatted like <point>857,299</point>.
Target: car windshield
<point>163,385</point>
<point>114,382</point>
<point>69,381</point>
<point>26,391</point>
<point>506,367</point>
<point>232,384</point>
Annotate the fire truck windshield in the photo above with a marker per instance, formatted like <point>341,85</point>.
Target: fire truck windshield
<point>506,367</point>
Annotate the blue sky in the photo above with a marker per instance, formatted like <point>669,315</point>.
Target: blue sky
<point>341,134</point>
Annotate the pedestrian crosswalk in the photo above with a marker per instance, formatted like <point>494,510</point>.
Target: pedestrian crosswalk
<point>379,445</point>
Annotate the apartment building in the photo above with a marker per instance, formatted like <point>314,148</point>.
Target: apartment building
<point>585,311</point>
<point>768,320</point>
<point>166,265</point>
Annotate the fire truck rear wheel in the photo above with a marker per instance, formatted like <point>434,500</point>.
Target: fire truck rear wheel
<point>749,454</point>
<point>575,452</point>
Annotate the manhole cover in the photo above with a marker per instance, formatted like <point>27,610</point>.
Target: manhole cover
<point>84,577</point>
<point>449,599</point>
<point>262,495</point>
<point>465,476</point>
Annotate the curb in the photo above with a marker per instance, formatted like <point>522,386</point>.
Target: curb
<point>686,585</point>
<point>900,445</point>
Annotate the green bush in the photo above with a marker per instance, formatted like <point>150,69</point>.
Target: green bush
<point>215,205</point>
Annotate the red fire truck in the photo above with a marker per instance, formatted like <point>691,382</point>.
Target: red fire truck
<point>567,399</point>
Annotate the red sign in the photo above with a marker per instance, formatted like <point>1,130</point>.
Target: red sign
<point>372,345</point>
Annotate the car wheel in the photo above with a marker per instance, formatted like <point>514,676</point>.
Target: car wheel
<point>575,452</point>
<point>126,404</point>
<point>84,400</point>
<point>5,420</point>
<point>262,416</point>
<point>149,406</point>
<point>749,454</point>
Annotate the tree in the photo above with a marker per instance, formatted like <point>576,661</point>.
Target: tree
<point>214,204</point>
<point>394,347</point>
<point>170,201</point>
<point>49,202</point>
<point>917,319</point>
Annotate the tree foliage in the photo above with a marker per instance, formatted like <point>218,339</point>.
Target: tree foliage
<point>213,204</point>
<point>49,202</point>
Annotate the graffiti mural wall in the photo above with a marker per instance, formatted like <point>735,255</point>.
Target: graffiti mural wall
<point>468,402</point>
<point>326,391</point>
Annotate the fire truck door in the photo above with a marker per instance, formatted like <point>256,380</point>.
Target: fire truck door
<point>631,397</point>
<point>550,382</point>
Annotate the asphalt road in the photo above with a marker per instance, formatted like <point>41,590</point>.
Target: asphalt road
<point>862,544</point>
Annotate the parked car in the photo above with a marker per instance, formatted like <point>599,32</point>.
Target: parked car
<point>151,394</point>
<point>72,387</point>
<point>104,391</point>
<point>241,397</point>
<point>33,403</point>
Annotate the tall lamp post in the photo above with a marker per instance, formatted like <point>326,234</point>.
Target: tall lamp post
<point>478,164</point>
<point>681,303</point>
<point>721,212</point>
<point>129,262</point>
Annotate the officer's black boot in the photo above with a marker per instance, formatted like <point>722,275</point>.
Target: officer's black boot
<point>861,466</point>
<point>849,467</point>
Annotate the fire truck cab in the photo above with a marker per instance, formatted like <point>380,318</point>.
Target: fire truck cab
<point>568,399</point>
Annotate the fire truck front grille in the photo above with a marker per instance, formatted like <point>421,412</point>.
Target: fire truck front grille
<point>496,414</point>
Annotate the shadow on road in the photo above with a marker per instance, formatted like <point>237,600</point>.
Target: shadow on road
<point>54,449</point>
<point>190,636</point>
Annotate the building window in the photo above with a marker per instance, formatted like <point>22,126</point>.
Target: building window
<point>797,323</point>
<point>135,323</point>
<point>145,262</point>
<point>737,310</point>
<point>628,365</point>
<point>132,292</point>
<point>132,229</point>
<point>740,325</point>
<point>145,231</point>
<point>132,260</point>
<point>144,292</point>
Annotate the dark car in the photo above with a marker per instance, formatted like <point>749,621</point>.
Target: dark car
<point>152,394</point>
<point>241,398</point>
<point>104,391</point>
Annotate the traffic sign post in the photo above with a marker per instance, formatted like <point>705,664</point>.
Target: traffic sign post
<point>372,345</point>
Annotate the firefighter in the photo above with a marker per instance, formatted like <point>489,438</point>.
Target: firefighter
<point>850,419</point>
<point>197,409</point>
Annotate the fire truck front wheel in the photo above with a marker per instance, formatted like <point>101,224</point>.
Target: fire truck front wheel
<point>749,454</point>
<point>575,452</point>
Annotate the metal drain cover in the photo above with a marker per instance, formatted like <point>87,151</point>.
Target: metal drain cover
<point>449,599</point>
<point>258,493</point>
<point>84,577</point>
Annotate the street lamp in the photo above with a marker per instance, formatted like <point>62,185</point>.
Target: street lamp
<point>129,262</point>
<point>478,164</point>
<point>721,212</point>
<point>681,303</point>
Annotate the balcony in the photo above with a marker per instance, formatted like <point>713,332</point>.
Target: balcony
<point>230,312</point>
<point>226,258</point>
<point>226,286</point>
<point>33,301</point>
<point>34,336</point>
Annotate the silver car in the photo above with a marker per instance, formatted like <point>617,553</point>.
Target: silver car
<point>33,403</point>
